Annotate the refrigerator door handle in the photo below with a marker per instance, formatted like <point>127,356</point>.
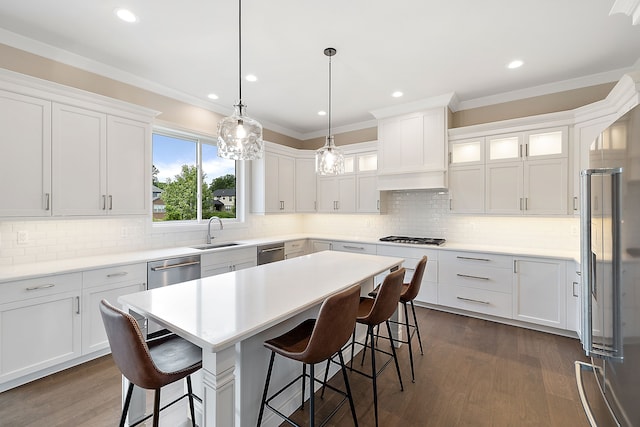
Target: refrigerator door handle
<point>614,352</point>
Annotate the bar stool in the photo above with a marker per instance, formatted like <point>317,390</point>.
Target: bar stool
<point>152,364</point>
<point>314,341</point>
<point>372,312</point>
<point>409,293</point>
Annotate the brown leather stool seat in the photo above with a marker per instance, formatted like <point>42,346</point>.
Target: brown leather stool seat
<point>372,312</point>
<point>149,364</point>
<point>314,341</point>
<point>409,293</point>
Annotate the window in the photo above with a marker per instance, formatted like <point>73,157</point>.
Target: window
<point>190,181</point>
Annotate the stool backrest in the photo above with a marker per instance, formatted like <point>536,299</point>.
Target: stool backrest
<point>128,347</point>
<point>414,286</point>
<point>387,299</point>
<point>334,325</point>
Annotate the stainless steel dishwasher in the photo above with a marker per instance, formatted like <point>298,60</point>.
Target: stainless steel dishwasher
<point>168,272</point>
<point>270,253</point>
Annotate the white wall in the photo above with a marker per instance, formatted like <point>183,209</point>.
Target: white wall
<point>415,213</point>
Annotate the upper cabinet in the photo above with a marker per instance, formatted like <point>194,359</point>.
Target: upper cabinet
<point>412,150</point>
<point>25,163</point>
<point>272,181</point>
<point>305,183</point>
<point>66,152</point>
<point>521,173</point>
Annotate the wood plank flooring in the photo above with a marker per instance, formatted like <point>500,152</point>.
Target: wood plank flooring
<point>473,373</point>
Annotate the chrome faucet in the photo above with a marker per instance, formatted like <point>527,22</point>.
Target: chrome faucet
<point>209,237</point>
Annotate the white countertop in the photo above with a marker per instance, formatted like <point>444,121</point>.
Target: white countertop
<point>31,270</point>
<point>216,312</point>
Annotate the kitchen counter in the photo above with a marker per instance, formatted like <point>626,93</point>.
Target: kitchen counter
<point>31,270</point>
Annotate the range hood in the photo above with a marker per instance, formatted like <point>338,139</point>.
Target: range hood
<point>431,180</point>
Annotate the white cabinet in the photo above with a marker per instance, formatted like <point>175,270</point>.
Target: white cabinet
<point>574,287</point>
<point>368,195</point>
<point>466,176</point>
<point>477,282</point>
<point>305,183</point>
<point>39,324</point>
<point>25,162</point>
<point>295,248</point>
<point>412,150</point>
<point>428,292</point>
<point>540,292</point>
<point>273,181</point>
<point>354,247</point>
<point>214,263</point>
<point>526,172</point>
<point>337,194</point>
<point>321,245</point>
<point>106,283</point>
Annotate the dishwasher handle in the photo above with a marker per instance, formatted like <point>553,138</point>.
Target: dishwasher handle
<point>279,248</point>
<point>182,264</point>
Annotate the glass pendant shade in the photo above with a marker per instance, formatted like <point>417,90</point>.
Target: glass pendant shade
<point>329,159</point>
<point>240,137</point>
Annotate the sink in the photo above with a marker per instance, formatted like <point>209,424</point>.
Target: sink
<point>214,246</point>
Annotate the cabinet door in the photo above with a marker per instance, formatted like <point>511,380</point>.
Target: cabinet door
<point>504,188</point>
<point>25,162</point>
<point>504,148</point>
<point>38,333</point>
<point>545,186</point>
<point>94,337</point>
<point>79,161</point>
<point>346,194</point>
<point>434,147</point>
<point>271,183</point>
<point>128,153</point>
<point>466,189</point>
<point>320,245</point>
<point>540,293</point>
<point>305,184</point>
<point>466,152</point>
<point>368,194</point>
<point>286,183</point>
<point>573,297</point>
<point>327,194</point>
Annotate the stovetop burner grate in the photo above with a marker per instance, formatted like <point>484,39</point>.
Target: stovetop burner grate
<point>413,240</point>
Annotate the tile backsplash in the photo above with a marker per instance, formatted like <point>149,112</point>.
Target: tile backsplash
<point>414,213</point>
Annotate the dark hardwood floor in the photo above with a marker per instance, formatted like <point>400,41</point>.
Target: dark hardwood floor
<point>473,373</point>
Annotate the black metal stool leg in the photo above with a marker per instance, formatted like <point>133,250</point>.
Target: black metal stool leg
<point>156,408</point>
<point>127,402</point>
<point>191,408</point>
<point>395,356</point>
<point>266,388</point>
<point>374,374</point>
<point>304,378</point>
<point>415,321</point>
<point>326,376</point>
<point>312,409</point>
<point>346,384</point>
<point>408,331</point>
<point>366,342</point>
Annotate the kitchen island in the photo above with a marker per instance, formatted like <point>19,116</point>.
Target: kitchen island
<point>230,315</point>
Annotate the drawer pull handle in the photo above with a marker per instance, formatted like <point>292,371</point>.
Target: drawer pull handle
<point>184,264</point>
<point>474,300</point>
<point>473,259</point>
<point>121,273</point>
<point>359,248</point>
<point>37,288</point>
<point>468,276</point>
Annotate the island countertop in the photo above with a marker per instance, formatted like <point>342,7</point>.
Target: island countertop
<point>217,312</point>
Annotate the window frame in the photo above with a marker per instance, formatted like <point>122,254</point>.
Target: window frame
<point>241,200</point>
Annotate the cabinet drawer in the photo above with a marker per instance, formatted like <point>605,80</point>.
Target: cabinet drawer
<point>476,276</point>
<point>39,287</point>
<point>477,258</point>
<point>228,256</point>
<point>363,248</point>
<point>477,300</point>
<point>117,274</point>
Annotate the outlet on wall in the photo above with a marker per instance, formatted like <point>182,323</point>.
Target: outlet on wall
<point>23,237</point>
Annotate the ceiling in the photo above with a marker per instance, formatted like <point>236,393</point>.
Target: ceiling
<point>425,48</point>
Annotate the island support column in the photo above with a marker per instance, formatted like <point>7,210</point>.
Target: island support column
<point>219,383</point>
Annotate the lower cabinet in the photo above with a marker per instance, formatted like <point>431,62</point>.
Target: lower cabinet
<point>295,248</point>
<point>429,287</point>
<point>106,283</point>
<point>40,324</point>
<point>539,292</point>
<point>214,263</point>
<point>574,287</point>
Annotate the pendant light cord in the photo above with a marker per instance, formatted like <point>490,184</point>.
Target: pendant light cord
<point>240,53</point>
<point>329,97</point>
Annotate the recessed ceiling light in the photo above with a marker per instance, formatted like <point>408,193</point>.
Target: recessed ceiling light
<point>397,94</point>
<point>212,96</point>
<point>126,15</point>
<point>322,113</point>
<point>251,78</point>
<point>515,64</point>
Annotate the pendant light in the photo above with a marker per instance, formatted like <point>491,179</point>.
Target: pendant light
<point>329,159</point>
<point>239,136</point>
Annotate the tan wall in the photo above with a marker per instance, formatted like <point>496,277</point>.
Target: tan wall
<point>198,119</point>
<point>561,101</point>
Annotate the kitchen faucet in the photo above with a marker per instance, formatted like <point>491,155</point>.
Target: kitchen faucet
<point>209,237</point>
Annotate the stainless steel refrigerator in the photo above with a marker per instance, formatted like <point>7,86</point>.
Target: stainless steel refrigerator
<point>609,386</point>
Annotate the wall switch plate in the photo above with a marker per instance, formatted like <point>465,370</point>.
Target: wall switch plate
<point>23,237</point>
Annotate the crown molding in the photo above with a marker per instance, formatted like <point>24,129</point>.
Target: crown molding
<point>443,100</point>
<point>628,7</point>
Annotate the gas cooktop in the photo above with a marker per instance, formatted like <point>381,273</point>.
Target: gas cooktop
<point>413,240</point>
